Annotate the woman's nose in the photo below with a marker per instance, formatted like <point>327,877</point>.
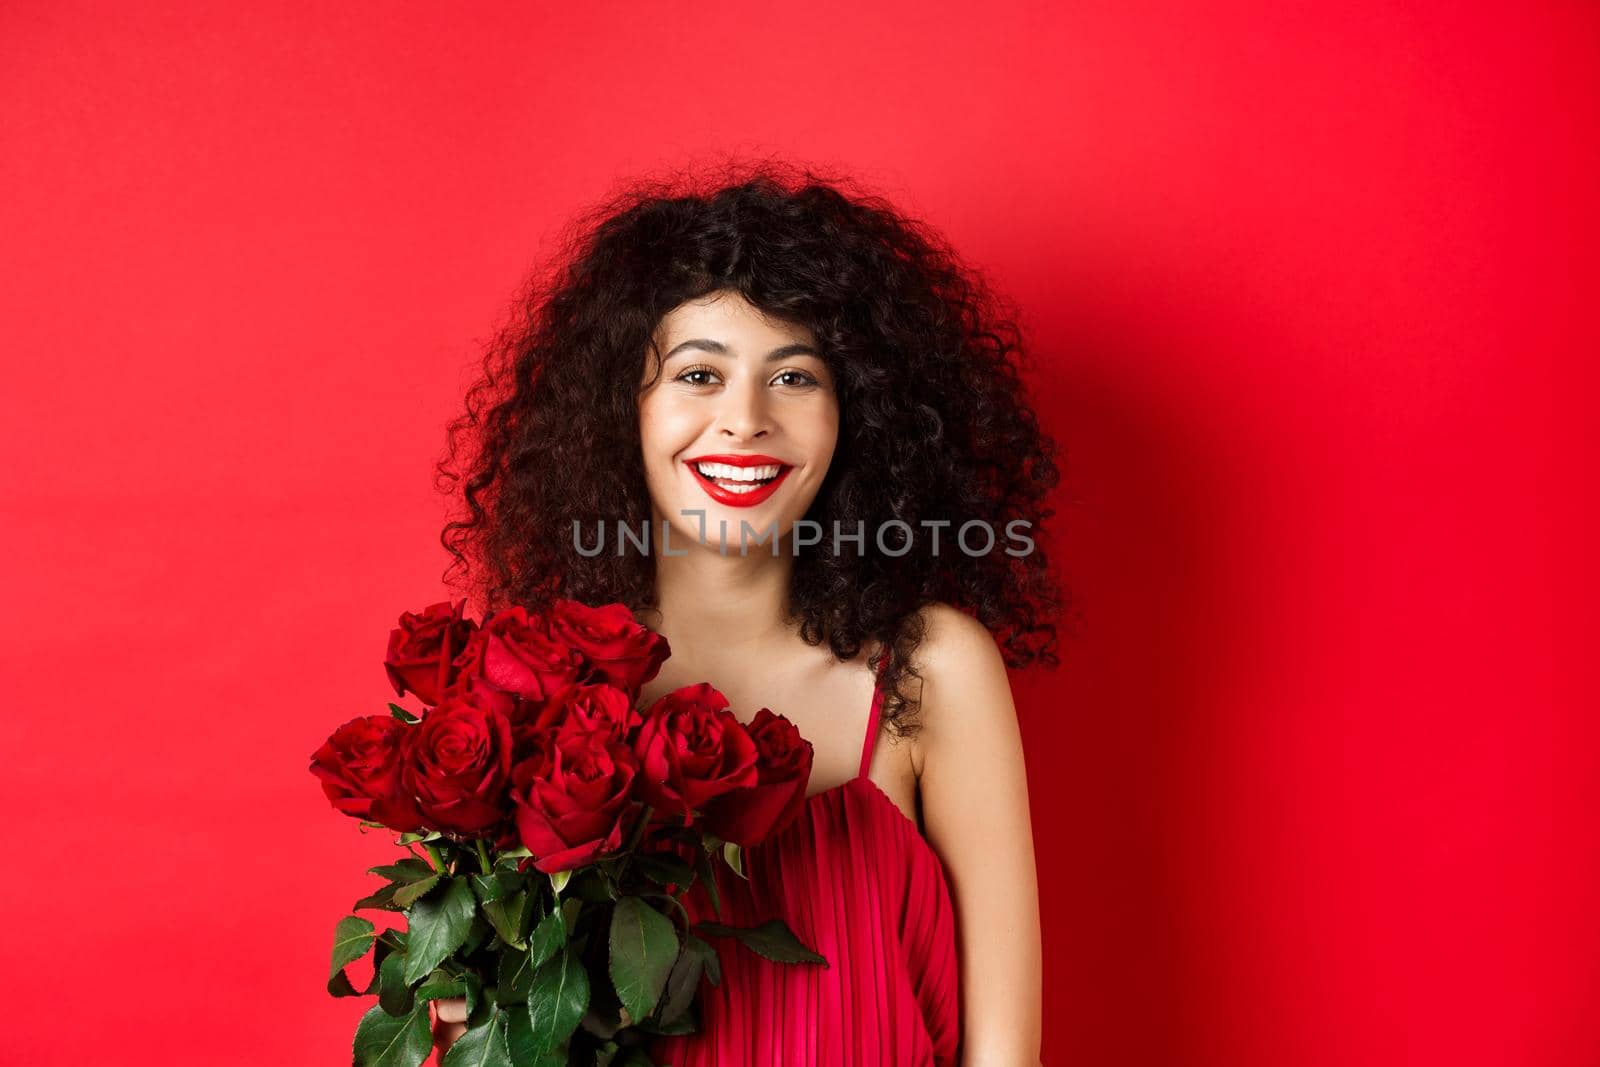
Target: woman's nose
<point>744,414</point>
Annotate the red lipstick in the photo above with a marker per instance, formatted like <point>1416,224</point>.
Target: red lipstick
<point>739,498</point>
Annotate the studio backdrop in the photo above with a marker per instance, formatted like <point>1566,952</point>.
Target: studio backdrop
<point>1309,289</point>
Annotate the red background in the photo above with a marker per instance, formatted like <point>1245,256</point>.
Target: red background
<point>1308,282</point>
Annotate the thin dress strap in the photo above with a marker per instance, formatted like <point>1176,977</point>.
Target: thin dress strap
<point>872,718</point>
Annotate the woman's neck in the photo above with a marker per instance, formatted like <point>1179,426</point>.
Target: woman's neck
<point>731,604</point>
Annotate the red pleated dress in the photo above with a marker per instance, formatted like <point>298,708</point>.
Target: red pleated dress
<point>856,881</point>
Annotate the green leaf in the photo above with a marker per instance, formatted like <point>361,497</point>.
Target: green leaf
<point>491,887</point>
<point>403,715</point>
<point>352,939</point>
<point>385,1041</point>
<point>477,934</point>
<point>772,940</point>
<point>339,985</point>
<point>410,869</point>
<point>559,880</point>
<point>393,993</point>
<point>533,912</point>
<point>519,1038</point>
<point>514,978</point>
<point>475,998</point>
<point>524,1052</point>
<point>643,945</point>
<point>383,899</point>
<point>708,956</point>
<point>664,868</point>
<point>548,937</point>
<point>506,916</point>
<point>408,894</point>
<point>481,1046</point>
<point>439,925</point>
<point>558,999</point>
<point>591,884</point>
<point>682,982</point>
<point>442,985</point>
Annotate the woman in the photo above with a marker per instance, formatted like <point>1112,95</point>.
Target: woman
<point>827,418</point>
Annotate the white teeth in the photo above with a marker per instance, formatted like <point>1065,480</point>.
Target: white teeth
<point>728,472</point>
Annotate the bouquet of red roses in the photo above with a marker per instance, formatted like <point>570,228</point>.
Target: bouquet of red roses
<point>553,828</point>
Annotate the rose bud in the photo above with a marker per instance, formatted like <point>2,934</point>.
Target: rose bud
<point>512,652</point>
<point>616,648</point>
<point>360,766</point>
<point>783,767</point>
<point>691,749</point>
<point>422,651</point>
<point>573,795</point>
<point>459,763</point>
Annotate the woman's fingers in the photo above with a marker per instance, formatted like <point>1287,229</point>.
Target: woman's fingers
<point>445,1035</point>
<point>451,1009</point>
<point>449,1022</point>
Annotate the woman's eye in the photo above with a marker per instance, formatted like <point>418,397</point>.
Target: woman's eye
<point>704,376</point>
<point>689,375</point>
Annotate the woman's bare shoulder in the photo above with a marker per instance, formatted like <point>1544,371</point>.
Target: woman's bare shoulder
<point>954,644</point>
<point>964,680</point>
<point>975,805</point>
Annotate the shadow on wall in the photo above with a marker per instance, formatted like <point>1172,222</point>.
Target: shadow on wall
<point>1151,519</point>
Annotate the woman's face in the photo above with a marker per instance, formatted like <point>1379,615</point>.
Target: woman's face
<point>740,425</point>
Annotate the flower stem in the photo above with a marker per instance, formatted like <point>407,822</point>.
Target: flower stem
<point>638,831</point>
<point>633,842</point>
<point>483,858</point>
<point>439,865</point>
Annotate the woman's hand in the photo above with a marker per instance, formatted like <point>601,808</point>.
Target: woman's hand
<point>449,1022</point>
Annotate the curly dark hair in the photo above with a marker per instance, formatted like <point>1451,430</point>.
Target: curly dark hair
<point>935,423</point>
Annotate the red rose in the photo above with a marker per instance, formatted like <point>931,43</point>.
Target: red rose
<point>459,762</point>
<point>530,717</point>
<point>783,767</point>
<point>512,652</point>
<point>617,649</point>
<point>360,766</point>
<point>574,795</point>
<point>599,703</point>
<point>527,716</point>
<point>690,749</point>
<point>422,651</point>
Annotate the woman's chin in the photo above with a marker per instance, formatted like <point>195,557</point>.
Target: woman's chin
<point>727,529</point>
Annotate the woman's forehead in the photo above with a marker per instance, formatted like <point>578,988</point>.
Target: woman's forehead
<point>727,319</point>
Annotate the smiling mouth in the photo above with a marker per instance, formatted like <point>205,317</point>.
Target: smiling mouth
<point>736,485</point>
<point>739,479</point>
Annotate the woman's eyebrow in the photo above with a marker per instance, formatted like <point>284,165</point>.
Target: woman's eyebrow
<point>717,347</point>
